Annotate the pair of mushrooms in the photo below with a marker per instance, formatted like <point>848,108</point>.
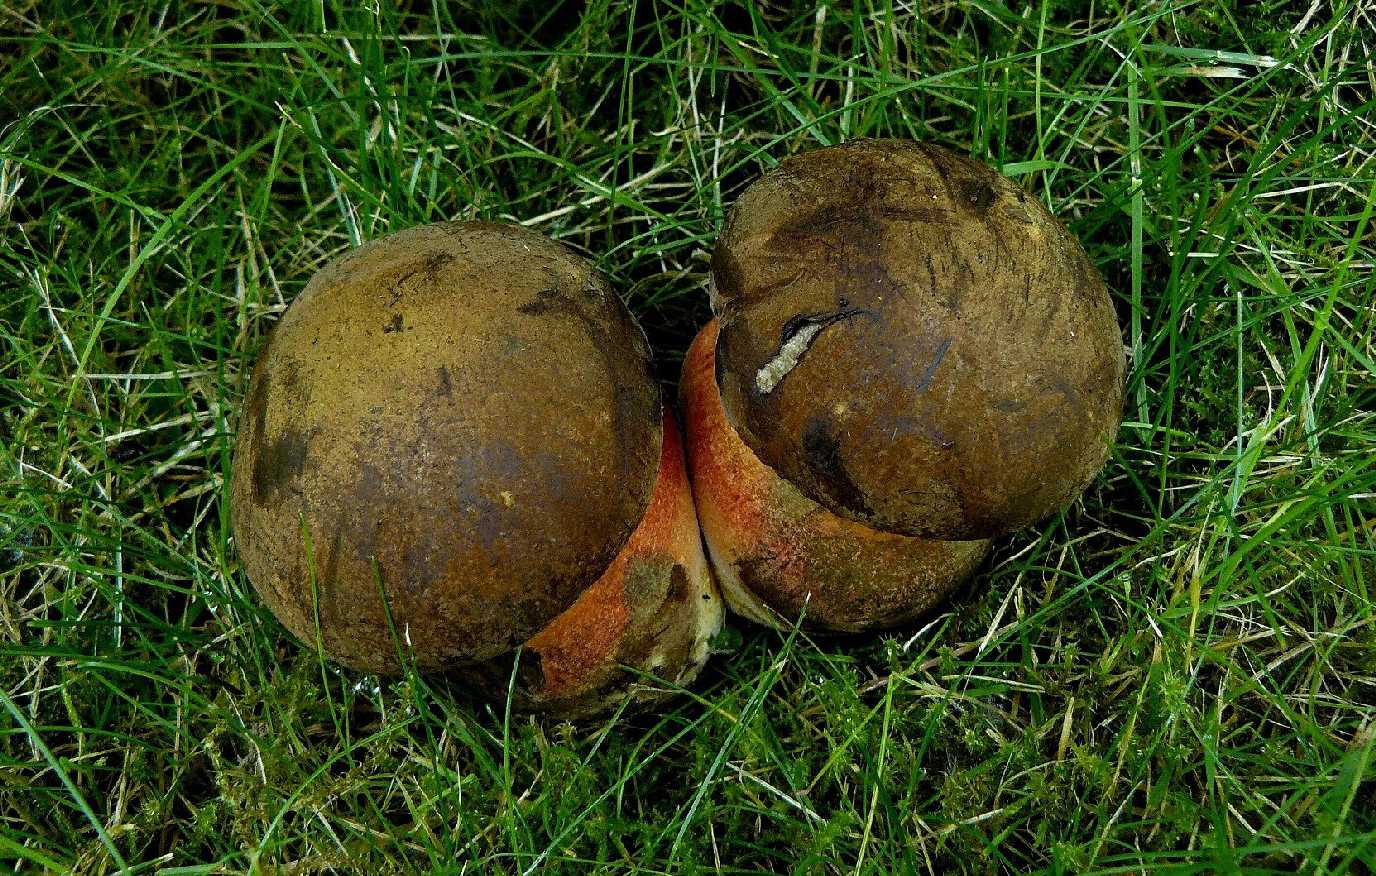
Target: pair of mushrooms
<point>453,450</point>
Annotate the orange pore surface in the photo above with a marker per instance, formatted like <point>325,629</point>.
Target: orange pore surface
<point>744,507</point>
<point>587,636</point>
<point>732,486</point>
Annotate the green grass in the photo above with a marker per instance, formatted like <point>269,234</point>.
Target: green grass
<point>1178,674</point>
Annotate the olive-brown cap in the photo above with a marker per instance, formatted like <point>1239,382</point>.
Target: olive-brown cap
<point>461,416</point>
<point>914,341</point>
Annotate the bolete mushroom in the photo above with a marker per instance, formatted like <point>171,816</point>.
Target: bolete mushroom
<point>911,341</point>
<point>453,447</point>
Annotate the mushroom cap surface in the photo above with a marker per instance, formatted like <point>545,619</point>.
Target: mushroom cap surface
<point>914,341</point>
<point>461,416</point>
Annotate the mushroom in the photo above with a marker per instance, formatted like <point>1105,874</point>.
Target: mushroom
<point>453,448</point>
<point>909,340</point>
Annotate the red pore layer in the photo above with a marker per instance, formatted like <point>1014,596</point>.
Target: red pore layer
<point>653,609</point>
<point>778,554</point>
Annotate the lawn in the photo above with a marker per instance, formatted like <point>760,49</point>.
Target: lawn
<point>1176,675</point>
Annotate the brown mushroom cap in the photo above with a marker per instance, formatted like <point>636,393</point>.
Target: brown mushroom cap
<point>914,341</point>
<point>460,415</point>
